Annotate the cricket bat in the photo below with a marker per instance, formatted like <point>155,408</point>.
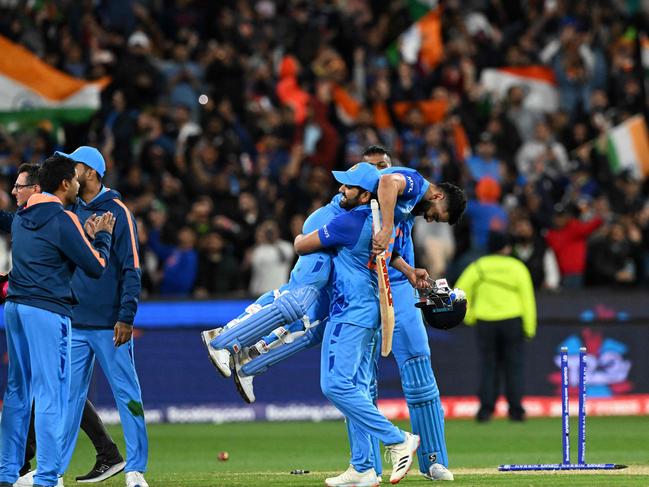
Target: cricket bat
<point>385,290</point>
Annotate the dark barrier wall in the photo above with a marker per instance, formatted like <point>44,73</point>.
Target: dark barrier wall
<point>174,368</point>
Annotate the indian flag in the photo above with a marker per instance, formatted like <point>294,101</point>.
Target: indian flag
<point>537,81</point>
<point>628,147</point>
<point>31,90</point>
<point>422,42</point>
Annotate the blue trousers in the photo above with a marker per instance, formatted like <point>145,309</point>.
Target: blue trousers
<point>38,345</point>
<point>345,352</point>
<point>118,365</point>
<point>361,458</point>
<point>412,353</point>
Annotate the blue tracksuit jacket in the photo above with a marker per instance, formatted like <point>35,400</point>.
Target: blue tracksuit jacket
<point>114,296</point>
<point>40,233</point>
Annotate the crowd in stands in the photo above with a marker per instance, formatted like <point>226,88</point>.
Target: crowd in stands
<point>223,120</point>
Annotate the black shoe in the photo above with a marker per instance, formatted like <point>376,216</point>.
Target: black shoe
<point>483,417</point>
<point>103,470</point>
<point>25,469</point>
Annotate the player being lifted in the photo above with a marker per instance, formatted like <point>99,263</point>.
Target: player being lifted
<point>415,196</point>
<point>290,315</point>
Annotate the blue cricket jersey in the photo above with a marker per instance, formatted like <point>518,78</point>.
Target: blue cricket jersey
<point>355,287</point>
<point>416,187</point>
<point>314,269</point>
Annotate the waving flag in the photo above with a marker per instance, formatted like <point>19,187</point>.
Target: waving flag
<point>537,81</point>
<point>422,42</point>
<point>628,147</point>
<point>32,90</point>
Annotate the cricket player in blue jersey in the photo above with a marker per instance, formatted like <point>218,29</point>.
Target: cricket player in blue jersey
<point>444,203</point>
<point>353,325</point>
<point>403,193</point>
<point>102,321</point>
<point>243,341</point>
<point>48,243</point>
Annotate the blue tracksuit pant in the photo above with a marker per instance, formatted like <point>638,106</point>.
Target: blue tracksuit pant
<point>38,345</point>
<point>345,352</point>
<point>118,366</point>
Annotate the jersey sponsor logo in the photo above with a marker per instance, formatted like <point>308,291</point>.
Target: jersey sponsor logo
<point>325,231</point>
<point>411,184</point>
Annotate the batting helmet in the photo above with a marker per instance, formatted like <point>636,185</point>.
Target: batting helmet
<point>442,307</point>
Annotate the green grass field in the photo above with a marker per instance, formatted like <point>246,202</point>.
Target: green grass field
<point>263,454</point>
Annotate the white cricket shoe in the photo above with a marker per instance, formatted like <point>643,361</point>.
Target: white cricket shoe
<point>352,478</point>
<point>402,455</point>
<point>27,480</point>
<point>221,357</point>
<point>135,479</point>
<point>437,471</point>
<point>243,382</point>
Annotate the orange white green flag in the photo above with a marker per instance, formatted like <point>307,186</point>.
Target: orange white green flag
<point>628,147</point>
<point>32,90</point>
<point>422,41</point>
<point>538,82</point>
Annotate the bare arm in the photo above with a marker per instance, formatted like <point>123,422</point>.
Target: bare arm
<point>390,187</point>
<point>418,277</point>
<point>306,244</point>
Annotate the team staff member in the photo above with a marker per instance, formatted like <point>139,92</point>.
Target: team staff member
<point>353,324</point>
<point>102,321</point>
<point>500,297</point>
<point>109,461</point>
<point>47,244</point>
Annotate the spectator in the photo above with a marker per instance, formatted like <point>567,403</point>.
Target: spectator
<point>532,250</point>
<point>484,163</point>
<point>180,262</point>
<point>218,272</point>
<point>568,240</point>
<point>485,214</point>
<point>136,76</point>
<point>436,244</point>
<point>523,118</point>
<point>613,256</point>
<point>542,155</point>
<point>270,259</point>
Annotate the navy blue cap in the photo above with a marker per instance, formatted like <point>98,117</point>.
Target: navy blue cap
<point>362,174</point>
<point>89,156</point>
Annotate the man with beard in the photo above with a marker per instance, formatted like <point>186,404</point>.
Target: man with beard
<point>354,319</point>
<point>109,462</point>
<point>102,321</point>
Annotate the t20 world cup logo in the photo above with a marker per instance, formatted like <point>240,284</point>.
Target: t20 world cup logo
<point>607,368</point>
